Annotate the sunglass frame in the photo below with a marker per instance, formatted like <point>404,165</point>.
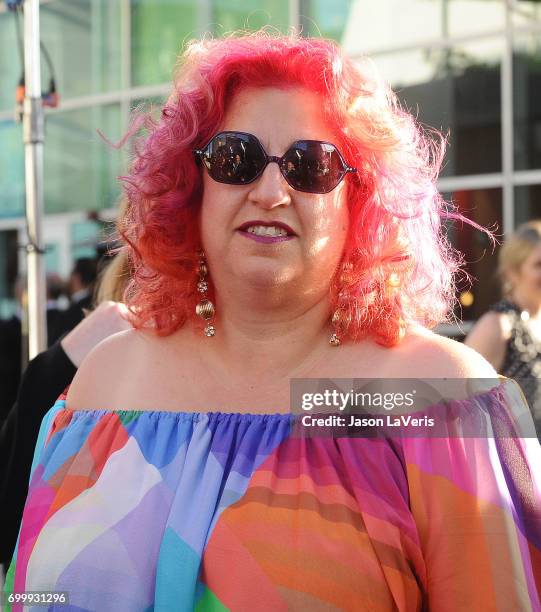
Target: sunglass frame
<point>204,154</point>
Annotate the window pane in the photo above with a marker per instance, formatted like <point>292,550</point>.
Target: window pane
<point>230,15</point>
<point>526,12</point>
<point>375,26</point>
<point>152,104</point>
<point>392,24</point>
<point>527,101</point>
<point>52,256</point>
<point>455,90</point>
<point>161,27</point>
<point>484,206</point>
<point>327,19</point>
<point>85,235</point>
<point>80,168</point>
<point>12,195</point>
<point>527,203</point>
<point>11,63</point>
<point>462,17</point>
<point>83,40</point>
<point>158,30</point>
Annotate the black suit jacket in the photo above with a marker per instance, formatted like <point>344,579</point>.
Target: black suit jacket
<point>10,363</point>
<point>11,351</point>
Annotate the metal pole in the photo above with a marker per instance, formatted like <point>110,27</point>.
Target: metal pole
<point>33,158</point>
<point>295,14</point>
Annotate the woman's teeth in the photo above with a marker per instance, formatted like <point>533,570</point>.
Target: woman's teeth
<point>263,230</point>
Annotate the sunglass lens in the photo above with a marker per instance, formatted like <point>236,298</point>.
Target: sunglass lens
<point>313,166</point>
<point>234,158</point>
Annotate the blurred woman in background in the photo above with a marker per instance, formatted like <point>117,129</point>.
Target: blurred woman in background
<point>509,334</point>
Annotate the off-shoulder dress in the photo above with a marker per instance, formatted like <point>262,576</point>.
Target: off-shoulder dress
<point>154,510</point>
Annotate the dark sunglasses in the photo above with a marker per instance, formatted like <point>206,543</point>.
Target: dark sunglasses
<point>237,158</point>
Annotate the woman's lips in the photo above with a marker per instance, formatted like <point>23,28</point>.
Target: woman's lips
<point>272,223</point>
<point>266,239</point>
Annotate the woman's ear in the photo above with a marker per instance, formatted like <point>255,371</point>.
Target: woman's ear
<point>511,279</point>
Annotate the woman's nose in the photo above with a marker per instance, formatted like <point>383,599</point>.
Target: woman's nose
<point>270,189</point>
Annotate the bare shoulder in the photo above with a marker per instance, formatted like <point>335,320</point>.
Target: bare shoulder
<point>493,324</point>
<point>422,353</point>
<point>105,369</point>
<point>489,337</point>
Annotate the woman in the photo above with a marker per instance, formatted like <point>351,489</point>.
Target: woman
<point>174,477</point>
<point>509,335</point>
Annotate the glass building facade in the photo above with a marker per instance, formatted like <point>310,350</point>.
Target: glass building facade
<point>470,68</point>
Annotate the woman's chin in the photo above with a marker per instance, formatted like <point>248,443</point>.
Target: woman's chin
<point>268,275</point>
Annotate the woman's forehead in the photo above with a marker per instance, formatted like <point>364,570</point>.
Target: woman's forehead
<point>278,116</point>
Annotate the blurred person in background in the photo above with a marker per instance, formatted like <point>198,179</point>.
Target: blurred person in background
<point>81,285</point>
<point>12,343</point>
<point>509,334</point>
<point>56,298</point>
<point>47,375</point>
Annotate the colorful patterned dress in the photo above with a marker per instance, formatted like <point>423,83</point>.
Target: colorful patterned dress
<point>137,511</point>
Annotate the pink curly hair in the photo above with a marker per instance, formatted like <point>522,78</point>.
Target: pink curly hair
<point>397,266</point>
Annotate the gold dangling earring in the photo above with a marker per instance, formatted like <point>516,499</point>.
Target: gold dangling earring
<point>334,340</point>
<point>340,318</point>
<point>205,308</point>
